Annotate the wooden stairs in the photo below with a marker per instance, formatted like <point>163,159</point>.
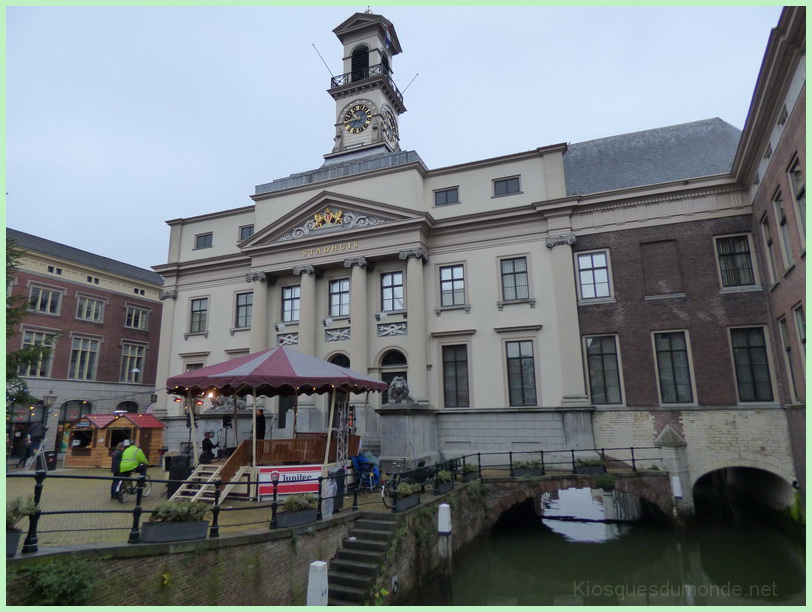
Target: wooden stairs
<point>200,486</point>
<point>352,571</point>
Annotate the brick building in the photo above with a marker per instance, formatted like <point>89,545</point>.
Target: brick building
<point>102,317</point>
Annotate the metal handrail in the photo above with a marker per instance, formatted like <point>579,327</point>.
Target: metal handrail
<point>359,74</point>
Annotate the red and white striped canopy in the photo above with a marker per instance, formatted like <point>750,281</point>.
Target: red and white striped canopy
<point>276,371</point>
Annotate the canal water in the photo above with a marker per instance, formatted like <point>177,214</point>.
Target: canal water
<point>558,560</point>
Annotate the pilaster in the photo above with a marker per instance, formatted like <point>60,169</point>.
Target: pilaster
<point>417,330</point>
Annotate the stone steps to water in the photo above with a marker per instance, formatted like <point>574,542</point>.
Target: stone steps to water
<point>352,571</point>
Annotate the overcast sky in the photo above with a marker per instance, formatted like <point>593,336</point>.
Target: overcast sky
<point>119,119</point>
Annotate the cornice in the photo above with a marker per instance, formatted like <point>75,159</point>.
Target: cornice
<point>504,159</point>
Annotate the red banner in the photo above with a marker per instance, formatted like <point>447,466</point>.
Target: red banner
<point>292,479</point>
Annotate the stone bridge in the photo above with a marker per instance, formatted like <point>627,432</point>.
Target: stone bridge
<point>503,493</point>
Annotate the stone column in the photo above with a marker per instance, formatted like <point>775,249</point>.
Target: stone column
<point>573,391</point>
<point>308,323</point>
<point>360,321</point>
<point>675,462</point>
<point>259,311</point>
<point>169,298</point>
<point>417,338</point>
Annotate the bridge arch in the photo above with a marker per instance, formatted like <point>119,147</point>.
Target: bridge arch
<point>754,487</point>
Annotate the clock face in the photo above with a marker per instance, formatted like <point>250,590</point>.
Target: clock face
<point>391,125</point>
<point>357,118</point>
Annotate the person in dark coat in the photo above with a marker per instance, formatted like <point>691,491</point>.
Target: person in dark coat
<point>208,448</point>
<point>24,452</point>
<point>115,467</point>
<point>260,425</point>
<point>37,433</point>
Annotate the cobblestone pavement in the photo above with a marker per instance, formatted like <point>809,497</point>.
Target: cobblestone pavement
<point>105,520</point>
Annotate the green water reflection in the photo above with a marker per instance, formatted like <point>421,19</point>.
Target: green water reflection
<point>527,563</point>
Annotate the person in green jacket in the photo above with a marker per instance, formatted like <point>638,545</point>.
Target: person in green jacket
<point>133,460</point>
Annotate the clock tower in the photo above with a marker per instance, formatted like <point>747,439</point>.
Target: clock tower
<point>368,103</point>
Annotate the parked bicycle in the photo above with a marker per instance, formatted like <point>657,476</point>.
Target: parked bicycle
<point>416,476</point>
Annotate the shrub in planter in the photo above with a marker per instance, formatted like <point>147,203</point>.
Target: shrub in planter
<point>528,468</point>
<point>16,510</point>
<point>297,509</point>
<point>442,482</point>
<point>406,496</point>
<point>469,472</point>
<point>171,521</point>
<point>589,466</point>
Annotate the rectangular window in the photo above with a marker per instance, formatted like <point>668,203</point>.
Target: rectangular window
<point>340,298</point>
<point>521,372</point>
<point>83,358</point>
<point>783,230</point>
<point>673,368</point>
<point>204,241</point>
<point>752,368</point>
<point>443,197</point>
<point>452,286</point>
<point>593,275</point>
<point>515,283</point>
<point>787,343</point>
<point>800,325</point>
<point>455,376</point>
<point>246,231</point>
<point>796,179</point>
<point>132,363</point>
<point>89,309</point>
<point>604,370</point>
<point>735,262</point>
<point>45,300</point>
<point>392,291</point>
<point>199,321</point>
<point>291,301</point>
<point>768,248</point>
<point>42,368</point>
<point>244,306</point>
<point>506,186</point>
<point>137,318</point>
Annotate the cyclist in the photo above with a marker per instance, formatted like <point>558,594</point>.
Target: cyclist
<point>133,460</point>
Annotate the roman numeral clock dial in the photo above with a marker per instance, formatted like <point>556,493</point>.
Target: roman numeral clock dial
<point>357,118</point>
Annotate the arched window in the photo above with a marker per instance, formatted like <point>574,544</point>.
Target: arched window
<point>360,63</point>
<point>340,360</point>
<point>73,410</point>
<point>343,361</point>
<point>127,407</point>
<point>393,363</point>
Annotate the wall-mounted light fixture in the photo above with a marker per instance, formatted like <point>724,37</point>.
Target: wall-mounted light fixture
<point>327,322</point>
<point>381,316</point>
<point>280,326</point>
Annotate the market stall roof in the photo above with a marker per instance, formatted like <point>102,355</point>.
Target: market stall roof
<point>144,421</point>
<point>277,371</point>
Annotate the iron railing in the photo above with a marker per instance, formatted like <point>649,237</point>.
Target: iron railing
<point>359,74</point>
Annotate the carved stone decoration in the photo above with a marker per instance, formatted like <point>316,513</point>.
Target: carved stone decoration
<point>164,295</point>
<point>299,270</point>
<point>399,392</point>
<point>337,334</point>
<point>253,277</point>
<point>287,339</point>
<point>416,253</point>
<point>553,241</point>
<point>392,329</point>
<point>349,220</point>
<point>361,262</point>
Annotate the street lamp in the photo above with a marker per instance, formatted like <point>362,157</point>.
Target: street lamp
<point>49,400</point>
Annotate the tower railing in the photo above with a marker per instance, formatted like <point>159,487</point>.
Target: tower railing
<point>359,74</point>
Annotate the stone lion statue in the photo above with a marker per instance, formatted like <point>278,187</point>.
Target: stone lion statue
<point>399,391</point>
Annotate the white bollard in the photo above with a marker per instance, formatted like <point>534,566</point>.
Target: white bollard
<point>444,519</point>
<point>317,584</point>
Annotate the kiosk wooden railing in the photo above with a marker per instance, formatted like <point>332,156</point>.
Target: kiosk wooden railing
<point>305,448</point>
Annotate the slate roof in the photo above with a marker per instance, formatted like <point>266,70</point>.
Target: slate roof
<point>677,152</point>
<point>28,242</point>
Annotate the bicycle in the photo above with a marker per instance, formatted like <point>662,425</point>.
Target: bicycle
<point>128,487</point>
<point>390,485</point>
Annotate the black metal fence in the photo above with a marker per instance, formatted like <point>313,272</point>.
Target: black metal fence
<point>542,462</point>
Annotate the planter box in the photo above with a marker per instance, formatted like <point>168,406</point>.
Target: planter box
<point>299,517</point>
<point>174,531</point>
<point>443,487</point>
<point>528,472</point>
<point>590,469</point>
<point>12,542</point>
<point>470,476</point>
<point>404,503</point>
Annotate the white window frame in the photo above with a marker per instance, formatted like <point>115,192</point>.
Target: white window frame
<point>501,274</point>
<point>390,304</point>
<point>454,282</point>
<point>756,284</point>
<point>767,242</point>
<point>799,317</point>
<point>54,295</point>
<point>39,336</point>
<point>137,314</point>
<point>84,368</point>
<point>689,355</point>
<point>338,288</point>
<point>291,303</point>
<point>798,192</point>
<point>610,297</point>
<point>90,308</point>
<point>782,224</point>
<point>588,378</point>
<point>247,310</point>
<point>133,357</point>
<point>195,324</point>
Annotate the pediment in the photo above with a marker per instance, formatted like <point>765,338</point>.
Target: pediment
<point>329,214</point>
<point>362,21</point>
